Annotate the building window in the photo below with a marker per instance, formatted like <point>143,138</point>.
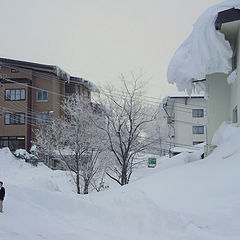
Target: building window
<point>197,113</point>
<point>197,142</point>
<point>13,143</point>
<point>42,96</point>
<point>14,70</point>
<point>235,115</point>
<point>14,118</point>
<point>15,94</point>
<point>198,129</point>
<point>42,118</point>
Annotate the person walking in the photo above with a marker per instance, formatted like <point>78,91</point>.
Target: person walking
<point>2,195</point>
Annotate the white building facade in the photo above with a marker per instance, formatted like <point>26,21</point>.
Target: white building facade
<point>186,119</point>
<point>224,89</point>
<point>209,61</point>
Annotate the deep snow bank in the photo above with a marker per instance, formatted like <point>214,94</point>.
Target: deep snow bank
<point>18,172</point>
<point>175,201</point>
<point>204,52</point>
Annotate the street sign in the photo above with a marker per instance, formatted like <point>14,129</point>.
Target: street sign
<point>152,162</point>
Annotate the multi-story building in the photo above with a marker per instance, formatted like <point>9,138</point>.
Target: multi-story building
<point>31,93</point>
<point>186,120</point>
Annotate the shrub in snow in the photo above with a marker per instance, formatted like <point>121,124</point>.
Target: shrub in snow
<point>23,154</point>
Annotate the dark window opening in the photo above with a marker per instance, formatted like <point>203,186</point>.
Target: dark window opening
<point>42,96</point>
<point>14,70</point>
<point>198,129</point>
<point>42,118</point>
<point>13,143</point>
<point>15,94</point>
<point>14,118</point>
<point>197,113</point>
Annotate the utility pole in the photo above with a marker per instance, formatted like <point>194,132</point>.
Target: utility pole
<point>50,115</point>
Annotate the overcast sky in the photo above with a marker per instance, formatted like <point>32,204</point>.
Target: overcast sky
<point>99,39</point>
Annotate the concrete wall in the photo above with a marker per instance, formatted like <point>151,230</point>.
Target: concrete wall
<point>223,97</point>
<point>181,111</point>
<point>218,104</point>
<point>50,83</point>
<point>37,77</point>
<point>14,106</point>
<point>236,87</point>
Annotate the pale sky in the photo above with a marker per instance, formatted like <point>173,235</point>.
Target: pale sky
<point>99,39</point>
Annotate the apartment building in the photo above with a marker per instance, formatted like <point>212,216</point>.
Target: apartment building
<point>186,120</point>
<point>31,93</point>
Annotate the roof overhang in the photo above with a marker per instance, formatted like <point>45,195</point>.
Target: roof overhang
<point>52,69</point>
<point>227,16</point>
<point>228,22</point>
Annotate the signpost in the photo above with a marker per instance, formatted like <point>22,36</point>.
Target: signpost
<point>152,162</point>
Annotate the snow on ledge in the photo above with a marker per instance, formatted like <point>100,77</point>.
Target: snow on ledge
<point>204,52</point>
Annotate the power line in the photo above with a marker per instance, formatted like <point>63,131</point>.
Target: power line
<point>36,88</point>
<point>119,95</point>
<point>18,104</point>
<point>62,95</point>
<point>43,76</point>
<point>119,92</point>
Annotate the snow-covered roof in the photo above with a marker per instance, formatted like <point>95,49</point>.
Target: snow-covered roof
<point>181,149</point>
<point>186,96</point>
<point>92,86</point>
<point>188,149</point>
<point>204,52</point>
<point>53,68</point>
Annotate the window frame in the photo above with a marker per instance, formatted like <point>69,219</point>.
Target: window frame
<point>15,89</point>
<point>198,132</point>
<point>19,116</point>
<point>42,96</point>
<point>14,70</point>
<point>197,115</point>
<point>43,121</point>
<point>9,141</point>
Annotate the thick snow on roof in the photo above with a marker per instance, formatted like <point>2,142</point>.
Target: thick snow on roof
<point>82,80</point>
<point>62,74</point>
<point>186,96</point>
<point>188,149</point>
<point>204,52</point>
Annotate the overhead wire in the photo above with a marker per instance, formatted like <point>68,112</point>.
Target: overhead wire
<point>119,95</point>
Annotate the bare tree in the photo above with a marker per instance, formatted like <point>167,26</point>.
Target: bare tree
<point>126,115</point>
<point>158,131</point>
<point>84,141</point>
<point>44,142</point>
<point>76,141</point>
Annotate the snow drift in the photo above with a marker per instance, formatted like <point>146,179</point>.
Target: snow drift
<point>175,201</point>
<point>204,52</point>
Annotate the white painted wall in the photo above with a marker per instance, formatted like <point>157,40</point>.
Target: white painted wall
<point>181,111</point>
<point>218,104</point>
<point>223,97</point>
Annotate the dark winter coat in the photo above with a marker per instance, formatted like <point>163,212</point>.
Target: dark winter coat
<point>2,193</point>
